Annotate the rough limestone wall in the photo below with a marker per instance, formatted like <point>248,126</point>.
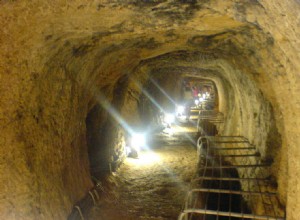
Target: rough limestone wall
<point>287,90</point>
<point>251,117</point>
<point>279,81</point>
<point>96,123</point>
<point>48,151</point>
<point>92,47</point>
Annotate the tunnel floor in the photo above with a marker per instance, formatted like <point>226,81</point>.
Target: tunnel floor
<point>150,187</point>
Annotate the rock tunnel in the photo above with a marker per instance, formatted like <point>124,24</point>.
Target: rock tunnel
<point>76,76</point>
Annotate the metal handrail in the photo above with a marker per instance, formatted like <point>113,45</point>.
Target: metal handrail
<point>228,214</point>
<point>211,148</point>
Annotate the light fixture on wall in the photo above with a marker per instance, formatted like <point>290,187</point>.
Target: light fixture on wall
<point>180,110</point>
<point>138,141</point>
<point>169,118</point>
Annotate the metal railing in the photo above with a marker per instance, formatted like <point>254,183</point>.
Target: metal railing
<point>211,116</point>
<point>233,181</point>
<point>209,122</point>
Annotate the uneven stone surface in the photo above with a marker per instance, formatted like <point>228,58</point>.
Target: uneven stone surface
<point>151,187</point>
<point>59,60</point>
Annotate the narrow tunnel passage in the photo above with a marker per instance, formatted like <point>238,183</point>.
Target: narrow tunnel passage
<point>78,78</point>
<point>153,184</point>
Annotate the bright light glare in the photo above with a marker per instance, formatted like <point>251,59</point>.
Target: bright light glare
<point>169,131</point>
<point>180,109</point>
<point>201,99</point>
<point>146,158</point>
<point>138,141</point>
<point>169,118</point>
<point>196,102</point>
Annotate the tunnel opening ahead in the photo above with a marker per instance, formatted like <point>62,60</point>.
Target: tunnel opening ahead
<point>203,92</point>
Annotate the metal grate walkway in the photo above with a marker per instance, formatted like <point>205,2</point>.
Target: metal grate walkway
<point>232,183</point>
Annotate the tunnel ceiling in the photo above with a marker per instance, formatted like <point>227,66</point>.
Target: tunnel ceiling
<point>57,56</point>
<point>105,39</point>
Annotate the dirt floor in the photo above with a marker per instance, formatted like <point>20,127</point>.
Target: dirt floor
<point>150,187</point>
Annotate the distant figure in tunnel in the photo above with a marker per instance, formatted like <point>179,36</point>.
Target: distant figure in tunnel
<point>195,92</point>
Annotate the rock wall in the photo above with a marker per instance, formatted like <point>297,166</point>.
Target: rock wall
<point>62,64</point>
